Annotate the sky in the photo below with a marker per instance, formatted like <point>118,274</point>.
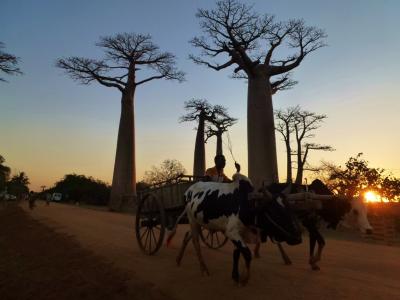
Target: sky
<point>51,126</point>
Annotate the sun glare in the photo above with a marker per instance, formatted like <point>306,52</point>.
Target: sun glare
<point>370,196</point>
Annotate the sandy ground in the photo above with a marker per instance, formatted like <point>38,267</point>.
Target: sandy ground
<point>39,263</point>
<point>349,270</point>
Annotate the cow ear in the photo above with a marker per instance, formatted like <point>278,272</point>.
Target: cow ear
<point>287,189</point>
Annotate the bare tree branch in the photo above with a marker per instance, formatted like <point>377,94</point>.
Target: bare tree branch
<point>124,52</point>
<point>283,83</point>
<point>8,63</point>
<point>219,122</point>
<point>235,30</point>
<point>194,108</point>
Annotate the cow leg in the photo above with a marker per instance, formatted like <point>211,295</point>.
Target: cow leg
<point>235,270</point>
<point>185,242</point>
<point>195,239</point>
<point>245,251</point>
<point>315,237</point>
<point>321,245</point>
<point>257,250</point>
<point>285,257</point>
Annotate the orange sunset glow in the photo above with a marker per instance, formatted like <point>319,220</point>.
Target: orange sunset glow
<point>372,196</point>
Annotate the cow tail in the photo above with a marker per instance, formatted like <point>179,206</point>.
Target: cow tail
<point>173,231</point>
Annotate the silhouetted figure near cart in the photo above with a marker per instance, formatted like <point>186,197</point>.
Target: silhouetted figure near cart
<point>32,199</point>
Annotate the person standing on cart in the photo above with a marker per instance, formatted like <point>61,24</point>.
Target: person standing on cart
<point>216,173</point>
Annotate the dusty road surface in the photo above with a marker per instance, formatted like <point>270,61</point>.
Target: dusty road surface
<point>38,263</point>
<point>349,270</point>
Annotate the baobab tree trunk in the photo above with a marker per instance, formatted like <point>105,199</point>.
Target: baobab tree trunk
<point>124,177</point>
<point>289,162</point>
<point>261,132</point>
<point>299,175</point>
<point>199,164</point>
<point>219,144</point>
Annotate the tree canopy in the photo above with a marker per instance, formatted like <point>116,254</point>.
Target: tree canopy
<point>18,184</point>
<point>168,170</point>
<point>80,188</point>
<point>246,39</point>
<point>125,55</point>
<point>357,177</point>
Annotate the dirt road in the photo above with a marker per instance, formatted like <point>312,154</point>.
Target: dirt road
<point>349,270</point>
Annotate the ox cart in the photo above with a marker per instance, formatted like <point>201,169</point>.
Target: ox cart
<point>159,207</point>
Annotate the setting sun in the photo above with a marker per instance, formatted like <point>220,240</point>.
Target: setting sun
<point>370,196</point>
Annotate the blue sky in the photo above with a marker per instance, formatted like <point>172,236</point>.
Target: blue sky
<point>50,125</point>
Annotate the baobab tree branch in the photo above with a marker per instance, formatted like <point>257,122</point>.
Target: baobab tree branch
<point>149,79</point>
<point>306,39</point>
<point>216,67</point>
<point>283,83</point>
<point>87,70</point>
<point>8,63</point>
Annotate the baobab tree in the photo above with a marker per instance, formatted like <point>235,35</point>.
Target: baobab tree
<point>304,123</point>
<point>218,125</point>
<point>285,120</point>
<point>126,56</point>
<point>236,31</point>
<point>201,111</point>
<point>8,63</point>
<point>301,124</point>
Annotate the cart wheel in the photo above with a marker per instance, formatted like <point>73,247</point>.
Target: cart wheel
<point>150,224</point>
<point>213,239</point>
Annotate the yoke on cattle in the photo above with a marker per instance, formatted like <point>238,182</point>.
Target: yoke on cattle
<point>159,207</point>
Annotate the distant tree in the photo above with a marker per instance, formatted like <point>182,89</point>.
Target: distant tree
<point>304,124</point>
<point>284,125</point>
<point>141,185</point>
<point>356,177</point>
<point>18,185</point>
<point>248,42</point>
<point>125,55</point>
<point>198,110</point>
<point>80,188</point>
<point>4,173</point>
<point>169,170</point>
<point>8,63</point>
<point>218,125</point>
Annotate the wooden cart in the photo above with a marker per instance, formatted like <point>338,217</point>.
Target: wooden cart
<point>158,209</point>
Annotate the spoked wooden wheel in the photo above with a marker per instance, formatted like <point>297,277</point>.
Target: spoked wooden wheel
<point>150,224</point>
<point>213,239</point>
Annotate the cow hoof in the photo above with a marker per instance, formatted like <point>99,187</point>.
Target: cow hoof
<point>315,268</point>
<point>244,281</point>
<point>288,262</point>
<point>205,272</point>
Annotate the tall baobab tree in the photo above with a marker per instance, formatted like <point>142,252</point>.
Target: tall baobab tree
<point>218,125</point>
<point>201,111</point>
<point>303,124</point>
<point>8,63</point>
<point>285,120</point>
<point>126,56</point>
<point>235,30</point>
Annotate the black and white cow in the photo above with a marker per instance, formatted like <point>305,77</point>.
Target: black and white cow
<point>226,207</point>
<point>334,211</point>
